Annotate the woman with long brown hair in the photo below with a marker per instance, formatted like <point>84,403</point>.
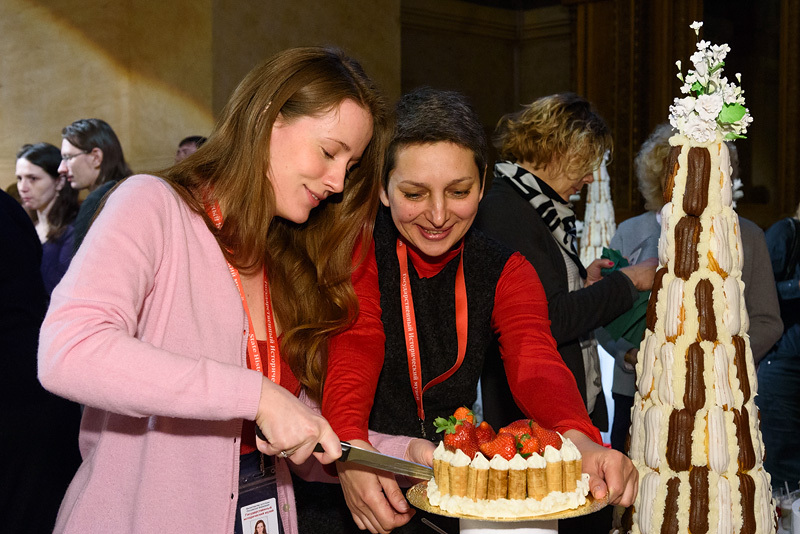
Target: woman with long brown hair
<point>203,300</point>
<point>52,205</point>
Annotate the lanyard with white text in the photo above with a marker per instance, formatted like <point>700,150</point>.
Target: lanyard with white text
<point>410,328</point>
<point>253,354</point>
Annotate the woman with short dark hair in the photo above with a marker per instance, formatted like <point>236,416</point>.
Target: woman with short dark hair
<point>432,278</point>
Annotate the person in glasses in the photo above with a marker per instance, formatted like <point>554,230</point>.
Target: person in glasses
<point>52,205</point>
<point>201,305</point>
<point>91,159</point>
<point>433,282</point>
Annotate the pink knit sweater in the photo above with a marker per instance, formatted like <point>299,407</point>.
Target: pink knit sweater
<point>147,330</point>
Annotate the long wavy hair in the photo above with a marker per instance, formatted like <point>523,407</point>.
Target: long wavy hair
<point>66,204</point>
<point>562,130</point>
<point>309,265</point>
<point>88,134</point>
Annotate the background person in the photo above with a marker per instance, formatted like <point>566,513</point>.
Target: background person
<point>188,146</point>
<point>432,185</point>
<point>92,159</point>
<point>548,151</point>
<point>39,438</point>
<point>52,205</point>
<point>779,372</point>
<point>230,272</point>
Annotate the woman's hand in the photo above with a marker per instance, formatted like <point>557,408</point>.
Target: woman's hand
<point>593,273</point>
<point>293,429</point>
<point>642,274</point>
<point>610,472</point>
<point>631,357</point>
<point>374,497</point>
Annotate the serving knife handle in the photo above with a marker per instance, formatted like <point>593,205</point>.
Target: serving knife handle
<point>345,450</point>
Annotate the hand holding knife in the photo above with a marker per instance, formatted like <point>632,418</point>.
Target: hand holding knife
<point>372,459</point>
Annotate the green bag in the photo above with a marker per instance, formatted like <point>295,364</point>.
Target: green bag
<point>631,324</point>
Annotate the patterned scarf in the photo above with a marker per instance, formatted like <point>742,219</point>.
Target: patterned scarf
<point>554,211</point>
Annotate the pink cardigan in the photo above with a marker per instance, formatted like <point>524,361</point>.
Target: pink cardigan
<point>148,331</point>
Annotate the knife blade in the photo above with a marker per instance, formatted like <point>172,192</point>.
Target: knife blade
<point>351,453</point>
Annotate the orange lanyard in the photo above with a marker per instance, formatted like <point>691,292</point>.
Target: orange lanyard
<point>253,354</point>
<point>410,327</point>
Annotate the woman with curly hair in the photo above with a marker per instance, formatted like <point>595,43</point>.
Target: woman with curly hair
<point>548,151</point>
<point>202,304</point>
<point>51,203</point>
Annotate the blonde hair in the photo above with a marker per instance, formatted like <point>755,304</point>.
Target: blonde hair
<point>561,130</point>
<point>308,265</point>
<point>649,166</point>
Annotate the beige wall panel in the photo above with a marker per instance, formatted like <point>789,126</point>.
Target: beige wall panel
<point>467,63</point>
<point>159,71</point>
<point>142,67</point>
<point>545,51</point>
<point>246,33</point>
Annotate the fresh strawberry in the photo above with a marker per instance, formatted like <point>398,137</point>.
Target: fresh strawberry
<point>485,433</point>
<point>547,437</point>
<point>518,428</point>
<point>528,445</point>
<point>504,444</point>
<point>458,435</point>
<point>464,414</point>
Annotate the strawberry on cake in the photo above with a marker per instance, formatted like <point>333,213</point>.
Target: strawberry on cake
<point>523,470</point>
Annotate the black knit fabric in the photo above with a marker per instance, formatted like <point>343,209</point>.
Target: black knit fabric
<point>395,410</point>
<point>321,507</point>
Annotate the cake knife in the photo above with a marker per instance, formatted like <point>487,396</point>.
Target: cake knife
<point>351,453</point>
<point>398,466</point>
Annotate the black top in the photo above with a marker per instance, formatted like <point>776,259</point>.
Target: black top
<point>506,216</point>
<point>394,411</point>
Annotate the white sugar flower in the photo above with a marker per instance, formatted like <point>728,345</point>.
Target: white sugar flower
<point>700,65</point>
<point>713,106</point>
<point>709,106</point>
<point>700,130</point>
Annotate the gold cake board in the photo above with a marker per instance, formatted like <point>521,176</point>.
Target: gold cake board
<point>418,496</point>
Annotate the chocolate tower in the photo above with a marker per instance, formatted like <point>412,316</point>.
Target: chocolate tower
<point>695,437</point>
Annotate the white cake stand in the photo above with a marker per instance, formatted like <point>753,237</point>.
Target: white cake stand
<point>547,524</point>
<point>475,526</point>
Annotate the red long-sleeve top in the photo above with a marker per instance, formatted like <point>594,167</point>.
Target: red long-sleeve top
<point>540,382</point>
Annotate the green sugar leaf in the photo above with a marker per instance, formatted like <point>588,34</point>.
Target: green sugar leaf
<point>730,136</point>
<point>732,113</point>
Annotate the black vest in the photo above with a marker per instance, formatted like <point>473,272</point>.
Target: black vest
<point>395,410</point>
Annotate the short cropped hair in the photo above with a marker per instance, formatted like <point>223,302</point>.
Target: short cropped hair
<point>196,140</point>
<point>427,115</point>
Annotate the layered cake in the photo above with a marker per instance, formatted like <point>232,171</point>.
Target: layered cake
<point>695,437</point>
<point>522,471</point>
<point>599,224</point>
